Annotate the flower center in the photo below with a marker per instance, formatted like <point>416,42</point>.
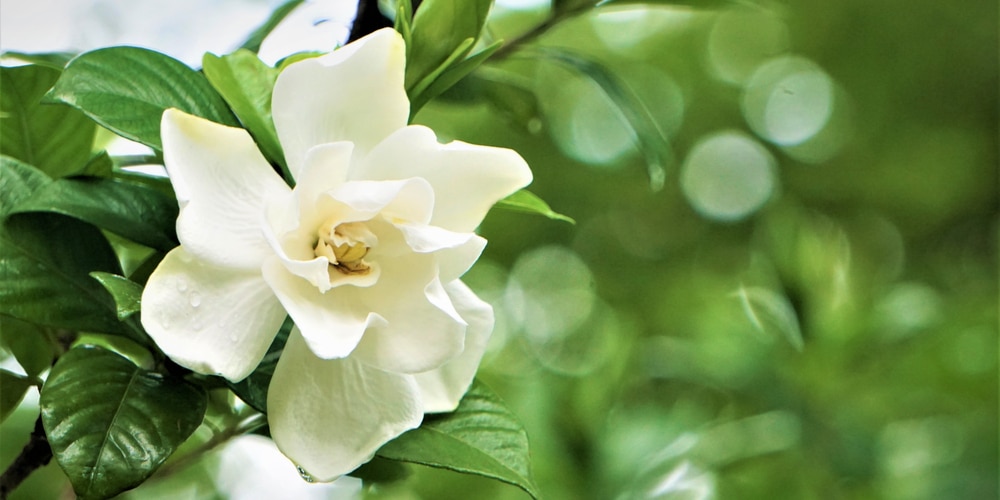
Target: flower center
<point>345,245</point>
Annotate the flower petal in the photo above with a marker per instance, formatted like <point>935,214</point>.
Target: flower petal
<point>222,182</point>
<point>467,179</point>
<point>332,323</point>
<point>441,389</point>
<point>330,416</point>
<point>411,200</point>
<point>210,319</point>
<point>455,252</point>
<point>422,330</point>
<point>354,93</point>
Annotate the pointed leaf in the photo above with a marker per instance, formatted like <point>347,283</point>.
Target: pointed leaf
<point>54,60</point>
<point>481,437</point>
<point>245,82</point>
<point>527,202</point>
<point>111,424</point>
<point>450,74</point>
<point>135,212</point>
<point>439,28</point>
<point>29,343</point>
<point>127,294</point>
<point>12,390</point>
<point>770,313</point>
<point>126,90</point>
<point>55,138</point>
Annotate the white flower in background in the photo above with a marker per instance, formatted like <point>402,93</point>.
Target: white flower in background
<point>365,255</point>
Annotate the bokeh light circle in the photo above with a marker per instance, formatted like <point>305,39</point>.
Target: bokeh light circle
<point>789,100</point>
<point>728,176</point>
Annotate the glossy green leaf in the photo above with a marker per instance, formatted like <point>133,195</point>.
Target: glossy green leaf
<point>770,313</point>
<point>245,82</point>
<point>481,437</point>
<point>439,28</point>
<point>652,141</point>
<point>54,60</point>
<point>55,138</point>
<point>126,89</point>
<point>256,38</point>
<point>528,202</point>
<point>126,294</point>
<point>133,211</point>
<point>43,278</point>
<point>29,343</point>
<point>111,424</point>
<point>253,389</point>
<point>13,387</point>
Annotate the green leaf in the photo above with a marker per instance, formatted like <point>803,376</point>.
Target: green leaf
<point>13,387</point>
<point>450,75</point>
<point>256,38</point>
<point>45,260</point>
<point>770,313</point>
<point>481,437</point>
<point>509,94</point>
<point>54,60</point>
<point>245,82</point>
<point>652,141</point>
<point>527,202</point>
<point>703,4</point>
<point>29,343</point>
<point>127,294</point>
<point>253,389</point>
<point>126,89</point>
<point>111,424</point>
<point>56,139</point>
<point>439,28</point>
<point>135,212</point>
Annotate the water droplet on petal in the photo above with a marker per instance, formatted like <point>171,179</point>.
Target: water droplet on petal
<point>165,321</point>
<point>182,285</point>
<point>305,475</point>
<point>195,299</point>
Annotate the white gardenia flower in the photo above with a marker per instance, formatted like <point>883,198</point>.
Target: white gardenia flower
<point>364,254</point>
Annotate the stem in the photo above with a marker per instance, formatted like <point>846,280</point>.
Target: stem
<point>550,22</point>
<point>245,426</point>
<point>35,455</point>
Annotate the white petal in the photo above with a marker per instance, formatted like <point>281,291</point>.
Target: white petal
<point>222,182</point>
<point>332,322</point>
<point>325,168</point>
<point>410,200</point>
<point>210,319</point>
<point>354,94</point>
<point>422,329</point>
<point>467,179</point>
<point>442,388</point>
<point>330,416</point>
<point>455,252</point>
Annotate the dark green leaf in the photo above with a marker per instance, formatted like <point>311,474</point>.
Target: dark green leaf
<point>253,389</point>
<point>56,139</point>
<point>133,211</point>
<point>126,89</point>
<point>439,28</point>
<point>45,260</point>
<point>527,202</point>
<point>111,424</point>
<point>127,294</point>
<point>99,165</point>
<point>652,142</point>
<point>12,390</point>
<point>480,437</point>
<point>54,60</point>
<point>257,37</point>
<point>29,343</point>
<point>770,313</point>
<point>245,82</point>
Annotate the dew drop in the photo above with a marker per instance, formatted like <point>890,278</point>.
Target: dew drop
<point>195,299</point>
<point>182,285</point>
<point>165,321</point>
<point>304,475</point>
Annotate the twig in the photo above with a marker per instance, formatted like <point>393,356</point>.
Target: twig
<point>35,455</point>
<point>550,22</point>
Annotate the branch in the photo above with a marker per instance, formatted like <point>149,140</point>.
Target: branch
<point>36,454</point>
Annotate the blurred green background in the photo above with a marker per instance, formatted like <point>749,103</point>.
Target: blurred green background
<point>806,309</point>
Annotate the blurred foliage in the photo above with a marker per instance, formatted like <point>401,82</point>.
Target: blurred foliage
<point>651,380</point>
